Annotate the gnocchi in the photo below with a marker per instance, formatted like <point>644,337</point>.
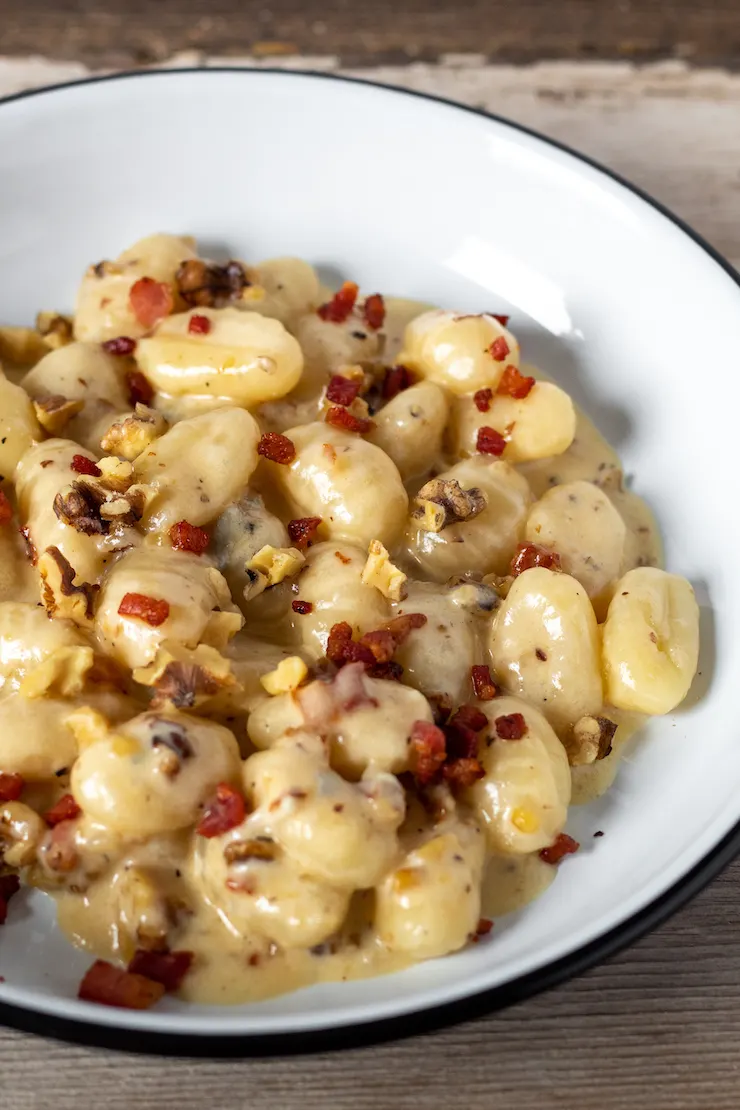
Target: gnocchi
<point>318,611</point>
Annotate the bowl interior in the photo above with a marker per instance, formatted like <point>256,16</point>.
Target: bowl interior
<point>417,197</point>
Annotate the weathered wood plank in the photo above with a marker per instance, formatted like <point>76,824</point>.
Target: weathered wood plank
<point>110,32</point>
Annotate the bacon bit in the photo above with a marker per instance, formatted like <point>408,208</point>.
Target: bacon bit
<point>343,418</point>
<point>31,553</point>
<point>302,531</point>
<point>428,751</point>
<point>564,846</point>
<point>6,509</point>
<point>66,809</point>
<point>152,610</point>
<point>483,398</point>
<point>502,318</point>
<point>276,448</point>
<point>199,325</point>
<point>462,742</point>
<point>469,716</point>
<point>140,391</point>
<point>462,773</point>
<point>483,928</point>
<point>167,968</point>
<point>342,558</point>
<point>382,644</point>
<point>9,885</point>
<point>397,378</point>
<point>401,627</point>
<point>499,349</point>
<point>483,685</point>
<point>339,308</point>
<point>223,812</point>
<point>490,442</point>
<point>301,607</point>
<point>82,465</point>
<point>530,555</point>
<point>110,986</point>
<point>150,301</point>
<point>341,648</point>
<point>188,537</point>
<point>120,346</point>
<point>511,726</point>
<point>11,786</point>
<point>391,671</point>
<point>374,311</point>
<point>342,391</point>
<point>515,384</point>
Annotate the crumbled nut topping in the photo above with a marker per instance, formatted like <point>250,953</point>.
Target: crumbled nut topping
<point>442,502</point>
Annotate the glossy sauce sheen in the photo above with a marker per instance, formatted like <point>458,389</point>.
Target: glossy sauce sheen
<point>200,474</point>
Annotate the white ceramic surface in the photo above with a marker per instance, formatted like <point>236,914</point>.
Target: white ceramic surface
<point>421,198</point>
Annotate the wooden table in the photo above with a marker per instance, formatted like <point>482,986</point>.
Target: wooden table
<point>657,1027</point>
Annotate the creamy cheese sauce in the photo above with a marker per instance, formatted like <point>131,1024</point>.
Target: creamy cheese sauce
<point>416,882</point>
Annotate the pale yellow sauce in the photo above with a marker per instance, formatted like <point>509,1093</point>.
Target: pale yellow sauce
<point>235,965</point>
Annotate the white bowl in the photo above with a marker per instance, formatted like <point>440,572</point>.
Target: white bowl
<point>627,308</point>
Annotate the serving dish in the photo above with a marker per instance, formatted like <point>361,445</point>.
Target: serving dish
<point>610,294</point>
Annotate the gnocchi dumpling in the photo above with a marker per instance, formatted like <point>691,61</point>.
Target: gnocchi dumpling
<point>537,426</point>
<point>650,641</point>
<point>338,476</point>
<point>152,774</point>
<point>430,903</point>
<point>243,357</point>
<point>18,426</point>
<point>523,799</point>
<point>328,347</point>
<point>463,353</point>
<point>242,530</point>
<point>285,289</point>
<point>544,647</point>
<point>198,467</point>
<point>410,428</point>
<point>486,542</point>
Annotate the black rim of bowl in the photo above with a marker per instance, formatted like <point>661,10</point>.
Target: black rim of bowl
<point>448,1013</point>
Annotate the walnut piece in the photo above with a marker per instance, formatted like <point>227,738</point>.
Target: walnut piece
<point>130,437</point>
<point>208,285</point>
<point>287,676</point>
<point>55,328</point>
<point>54,412</point>
<point>381,573</point>
<point>91,504</point>
<point>60,595</point>
<point>185,677</point>
<point>443,501</point>
<point>591,739</point>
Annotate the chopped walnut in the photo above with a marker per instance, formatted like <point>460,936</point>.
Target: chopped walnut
<point>93,502</point>
<point>185,677</point>
<point>271,565</point>
<point>591,739</point>
<point>130,437</point>
<point>208,285</point>
<point>221,627</point>
<point>261,848</point>
<point>443,501</point>
<point>60,595</point>
<point>381,573</point>
<point>63,673</point>
<point>54,412</point>
<point>55,328</point>
<point>287,676</point>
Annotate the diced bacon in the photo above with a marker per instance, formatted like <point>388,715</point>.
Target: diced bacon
<point>140,391</point>
<point>199,325</point>
<point>111,986</point>
<point>530,555</point>
<point>121,346</point>
<point>483,398</point>
<point>342,391</point>
<point>224,811</point>
<point>564,846</point>
<point>277,448</point>
<point>11,786</point>
<point>342,418</point>
<point>428,751</point>
<point>397,378</point>
<point>391,671</point>
<point>374,311</point>
<point>490,442</point>
<point>188,537</point>
<point>60,848</point>
<point>152,610</point>
<point>511,726</point>
<point>82,465</point>
<point>66,809</point>
<point>151,301</point>
<point>502,318</point>
<point>401,627</point>
<point>339,308</point>
<point>470,716</point>
<point>499,349</point>
<point>317,704</point>
<point>483,928</point>
<point>9,885</point>
<point>341,648</point>
<point>6,509</point>
<point>301,607</point>
<point>514,384</point>
<point>302,531</point>
<point>483,685</point>
<point>348,687</point>
<point>462,741</point>
<point>382,644</point>
<point>167,968</point>
<point>462,773</point>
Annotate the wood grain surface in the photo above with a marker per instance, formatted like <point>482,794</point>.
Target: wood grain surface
<point>659,1026</point>
<point>123,33</point>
